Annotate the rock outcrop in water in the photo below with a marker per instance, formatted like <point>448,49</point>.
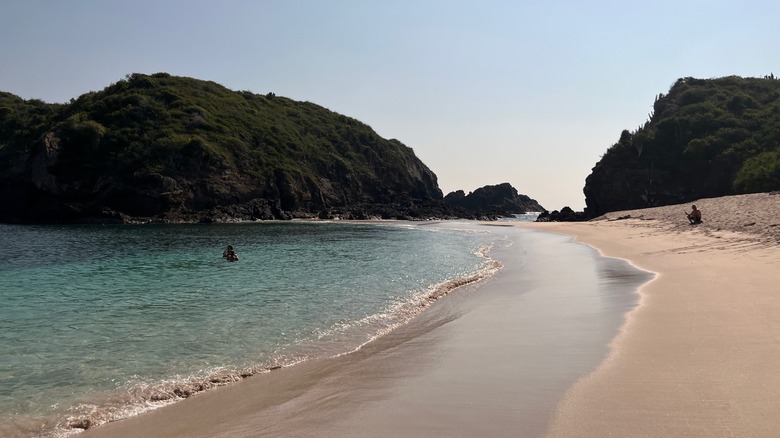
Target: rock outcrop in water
<point>499,200</point>
<point>565,215</point>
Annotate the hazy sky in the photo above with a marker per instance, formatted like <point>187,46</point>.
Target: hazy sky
<point>485,92</point>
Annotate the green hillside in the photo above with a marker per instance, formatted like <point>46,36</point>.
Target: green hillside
<point>165,146</point>
<point>705,138</point>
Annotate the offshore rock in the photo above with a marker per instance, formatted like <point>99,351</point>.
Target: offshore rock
<point>496,200</point>
<point>565,215</point>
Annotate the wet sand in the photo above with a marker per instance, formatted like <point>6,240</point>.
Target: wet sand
<point>491,359</point>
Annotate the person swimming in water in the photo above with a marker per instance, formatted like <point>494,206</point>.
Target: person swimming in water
<point>230,254</point>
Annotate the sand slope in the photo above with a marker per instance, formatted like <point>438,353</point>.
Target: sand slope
<point>756,215</point>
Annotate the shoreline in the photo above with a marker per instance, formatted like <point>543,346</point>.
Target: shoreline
<point>494,358</point>
<point>696,357</point>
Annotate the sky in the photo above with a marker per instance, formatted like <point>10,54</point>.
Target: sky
<point>526,92</point>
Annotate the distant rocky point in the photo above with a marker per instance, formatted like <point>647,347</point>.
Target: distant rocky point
<point>500,200</point>
<point>566,214</point>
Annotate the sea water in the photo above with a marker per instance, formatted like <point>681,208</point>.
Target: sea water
<point>98,323</point>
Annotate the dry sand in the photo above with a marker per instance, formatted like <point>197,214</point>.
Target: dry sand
<point>699,356</point>
<point>756,217</point>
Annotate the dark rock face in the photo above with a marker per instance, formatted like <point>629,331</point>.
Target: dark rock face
<point>501,200</point>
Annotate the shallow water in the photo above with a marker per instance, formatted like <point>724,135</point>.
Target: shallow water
<point>102,322</point>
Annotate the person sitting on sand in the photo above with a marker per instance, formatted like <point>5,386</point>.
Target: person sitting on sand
<point>230,254</point>
<point>694,217</point>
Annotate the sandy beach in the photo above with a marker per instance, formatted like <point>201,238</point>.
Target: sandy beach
<point>695,352</point>
<point>699,356</point>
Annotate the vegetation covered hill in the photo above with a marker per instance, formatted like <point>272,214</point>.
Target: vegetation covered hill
<point>177,148</point>
<point>705,138</point>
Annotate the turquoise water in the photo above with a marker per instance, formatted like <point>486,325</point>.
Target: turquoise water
<point>102,322</point>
